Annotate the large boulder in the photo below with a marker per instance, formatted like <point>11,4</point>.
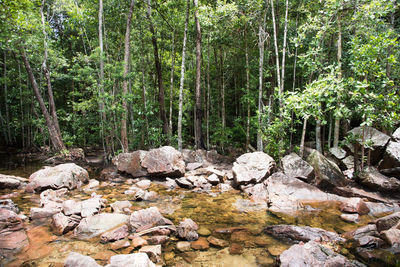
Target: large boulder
<point>12,234</point>
<point>327,174</point>
<point>313,254</point>
<point>162,162</point>
<point>97,224</point>
<point>147,218</point>
<point>396,134</point>
<point>67,175</point>
<point>391,157</point>
<point>302,233</point>
<point>296,167</point>
<point>131,260</point>
<point>379,141</point>
<point>370,177</point>
<point>11,182</point>
<point>252,168</point>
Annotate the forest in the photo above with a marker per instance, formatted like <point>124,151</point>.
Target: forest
<point>241,75</point>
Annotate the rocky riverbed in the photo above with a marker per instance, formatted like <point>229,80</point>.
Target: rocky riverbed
<point>197,208</point>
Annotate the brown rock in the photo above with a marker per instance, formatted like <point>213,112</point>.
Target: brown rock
<point>235,249</point>
<point>387,222</point>
<point>157,240</point>
<point>116,234</point>
<point>137,241</point>
<point>200,244</point>
<point>183,246</point>
<point>354,205</point>
<point>217,242</point>
<point>164,161</point>
<point>392,236</point>
<point>120,244</point>
<point>131,163</point>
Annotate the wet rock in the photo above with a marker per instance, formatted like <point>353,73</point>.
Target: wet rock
<point>164,161</point>
<point>296,167</point>
<point>371,178</point>
<point>183,246</point>
<point>157,240</point>
<point>131,163</point>
<point>11,182</point>
<point>246,205</point>
<point>327,174</point>
<point>302,233</point>
<point>120,206</point>
<point>387,222</point>
<point>71,207</point>
<point>252,168</point>
<point>67,175</point>
<point>200,244</point>
<point>377,209</point>
<point>12,234</point>
<point>62,224</point>
<point>119,244</point>
<point>193,166</point>
<point>131,260</point>
<point>213,179</point>
<point>97,224</point>
<point>147,218</point>
<point>235,249</point>
<point>391,157</point>
<point>204,231</point>
<point>354,205</point>
<point>379,141</point>
<point>143,184</point>
<point>217,242</point>
<point>78,260</point>
<point>392,237</point>
<point>184,183</point>
<point>119,233</point>
<point>313,254</point>
<point>9,205</point>
<point>187,229</point>
<point>353,218</point>
<point>154,252</point>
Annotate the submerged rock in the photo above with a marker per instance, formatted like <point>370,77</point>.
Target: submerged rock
<point>97,224</point>
<point>147,218</point>
<point>67,175</point>
<point>252,168</point>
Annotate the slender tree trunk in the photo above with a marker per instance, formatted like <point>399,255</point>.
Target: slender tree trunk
<point>171,92</point>
<point>339,58</point>
<point>221,62</point>
<point>8,139</point>
<point>261,41</point>
<point>55,135</point>
<point>330,132</point>
<point>161,92</point>
<point>303,137</point>
<point>208,93</point>
<point>281,89</point>
<point>124,134</point>
<point>295,57</point>
<point>247,91</point>
<point>21,102</point>
<point>278,76</point>
<point>318,142</point>
<point>182,81</point>
<point>363,147</point>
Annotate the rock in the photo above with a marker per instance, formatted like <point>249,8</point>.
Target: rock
<point>91,206</point>
<point>92,184</point>
<point>302,233</point>
<point>392,237</point>
<point>193,166</point>
<point>109,174</point>
<point>396,134</point>
<point>62,224</point>
<point>348,163</point>
<point>150,196</point>
<point>72,207</point>
<point>170,183</point>
<point>338,153</point>
<point>217,242</point>
<point>355,191</point>
<point>12,234</point>
<point>97,224</point>
<point>313,254</point>
<point>183,246</point>
<point>147,218</point>
<point>224,187</point>
<point>387,222</point>
<point>154,252</point>
<point>296,167</point>
<point>246,205</point>
<point>377,209</point>
<point>131,163</point>
<point>354,205</point>
<point>131,260</point>
<point>184,183</point>
<point>164,161</point>
<point>258,193</point>
<point>187,229</point>
<point>119,233</point>
<point>200,244</point>
<point>9,205</point>
<point>39,213</point>
<point>120,244</point>
<point>120,206</point>
<point>327,174</point>
<point>137,241</point>
<point>235,249</point>
<point>366,236</point>
<point>391,157</point>
<point>252,168</point>
<point>204,231</point>
<point>78,260</point>
<point>285,194</point>
<point>157,240</point>
<point>371,178</point>
<point>11,182</point>
<point>67,175</point>
<point>143,184</point>
<point>213,179</point>
<point>370,242</point>
<point>353,218</point>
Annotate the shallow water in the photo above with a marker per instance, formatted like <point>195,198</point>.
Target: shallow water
<point>209,210</point>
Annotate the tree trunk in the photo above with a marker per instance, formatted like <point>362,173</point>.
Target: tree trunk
<point>295,58</point>
<point>261,41</point>
<point>161,92</point>
<point>283,60</point>
<point>318,143</point>
<point>55,135</point>
<point>278,76</point>
<point>339,58</point>
<point>303,137</point>
<point>247,92</point>
<point>21,102</point>
<point>208,93</point>
<point>171,92</point>
<point>124,134</point>
<point>221,62</point>
<point>8,139</point>
<point>182,81</point>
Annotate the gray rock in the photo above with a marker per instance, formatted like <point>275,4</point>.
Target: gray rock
<point>296,167</point>
<point>387,222</point>
<point>391,157</point>
<point>116,234</point>
<point>377,209</point>
<point>97,224</point>
<point>396,134</point>
<point>143,184</point>
<point>164,161</point>
<point>193,166</point>
<point>392,237</point>
<point>258,193</point>
<point>350,217</point>
<point>67,175</point>
<point>184,183</point>
<point>72,207</point>
<point>120,206</point>
<point>9,205</point>
<point>252,168</point>
<point>187,229</point>
<point>78,260</point>
<point>183,246</point>
<point>130,260</point>
<point>154,252</point>
<point>147,218</point>
<point>40,213</point>
<point>371,178</point>
<point>170,183</point>
<point>62,224</point>
<point>131,163</point>
<point>11,182</point>
<point>213,179</point>
<point>91,206</point>
<point>338,152</point>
